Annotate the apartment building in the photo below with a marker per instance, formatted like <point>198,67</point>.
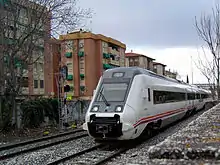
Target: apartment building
<point>159,68</point>
<point>33,74</point>
<point>86,56</point>
<point>139,60</point>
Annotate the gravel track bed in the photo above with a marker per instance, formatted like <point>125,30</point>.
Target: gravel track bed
<point>51,154</point>
<point>24,147</point>
<point>89,158</point>
<point>199,140</point>
<point>140,153</point>
<point>174,162</point>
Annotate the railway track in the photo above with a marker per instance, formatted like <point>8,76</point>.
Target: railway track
<point>104,151</point>
<point>8,151</point>
<point>97,154</point>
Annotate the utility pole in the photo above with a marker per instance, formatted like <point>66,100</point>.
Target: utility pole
<point>218,90</point>
<point>1,59</point>
<point>191,69</point>
<point>59,101</point>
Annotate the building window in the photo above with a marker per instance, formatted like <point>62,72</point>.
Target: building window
<point>131,62</point>
<point>70,67</point>
<point>35,84</point>
<point>136,62</point>
<point>41,83</point>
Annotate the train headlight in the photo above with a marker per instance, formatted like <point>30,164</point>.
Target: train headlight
<point>95,109</point>
<point>118,109</point>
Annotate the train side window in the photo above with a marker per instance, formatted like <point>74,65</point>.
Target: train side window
<point>167,97</point>
<point>148,94</point>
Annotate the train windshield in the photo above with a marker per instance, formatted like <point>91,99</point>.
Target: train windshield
<point>112,92</point>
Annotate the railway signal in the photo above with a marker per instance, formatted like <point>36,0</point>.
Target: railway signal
<point>66,88</point>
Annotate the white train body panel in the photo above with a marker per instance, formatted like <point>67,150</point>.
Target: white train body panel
<point>137,99</point>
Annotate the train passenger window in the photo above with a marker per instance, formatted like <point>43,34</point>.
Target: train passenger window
<point>167,97</point>
<point>190,96</point>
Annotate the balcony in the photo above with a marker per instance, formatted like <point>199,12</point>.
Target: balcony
<point>106,66</point>
<point>81,54</point>
<point>82,76</point>
<point>82,88</point>
<point>70,77</point>
<point>106,56</point>
<point>68,54</point>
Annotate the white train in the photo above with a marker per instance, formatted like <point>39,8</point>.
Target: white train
<point>130,100</point>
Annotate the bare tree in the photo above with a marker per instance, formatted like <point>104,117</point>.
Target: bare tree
<point>207,69</point>
<point>208,29</point>
<point>26,27</point>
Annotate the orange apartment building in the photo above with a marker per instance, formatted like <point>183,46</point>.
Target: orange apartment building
<point>139,60</point>
<point>86,56</point>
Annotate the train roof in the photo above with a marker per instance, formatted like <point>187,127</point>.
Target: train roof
<point>145,71</point>
<point>152,74</point>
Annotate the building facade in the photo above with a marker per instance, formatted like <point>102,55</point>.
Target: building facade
<point>139,60</point>
<point>86,56</point>
<point>30,57</point>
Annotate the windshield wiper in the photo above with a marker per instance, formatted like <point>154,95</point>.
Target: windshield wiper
<point>104,99</point>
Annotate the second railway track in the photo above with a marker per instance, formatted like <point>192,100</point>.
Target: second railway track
<point>95,155</point>
<point>8,151</point>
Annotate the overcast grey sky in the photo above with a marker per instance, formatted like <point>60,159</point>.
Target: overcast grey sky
<point>157,23</point>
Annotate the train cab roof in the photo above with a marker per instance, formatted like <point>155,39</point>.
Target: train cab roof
<point>130,72</point>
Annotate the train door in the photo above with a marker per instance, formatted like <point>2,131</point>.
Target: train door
<point>146,101</point>
<point>188,99</point>
<point>193,99</point>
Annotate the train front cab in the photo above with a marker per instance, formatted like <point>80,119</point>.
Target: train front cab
<point>105,116</point>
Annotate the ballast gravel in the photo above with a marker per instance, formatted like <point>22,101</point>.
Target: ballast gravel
<point>28,146</point>
<point>140,154</point>
<point>199,140</point>
<point>89,158</point>
<point>51,154</point>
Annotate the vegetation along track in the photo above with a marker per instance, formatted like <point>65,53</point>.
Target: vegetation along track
<point>8,151</point>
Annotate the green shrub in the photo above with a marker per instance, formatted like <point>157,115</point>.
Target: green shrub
<point>34,111</point>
